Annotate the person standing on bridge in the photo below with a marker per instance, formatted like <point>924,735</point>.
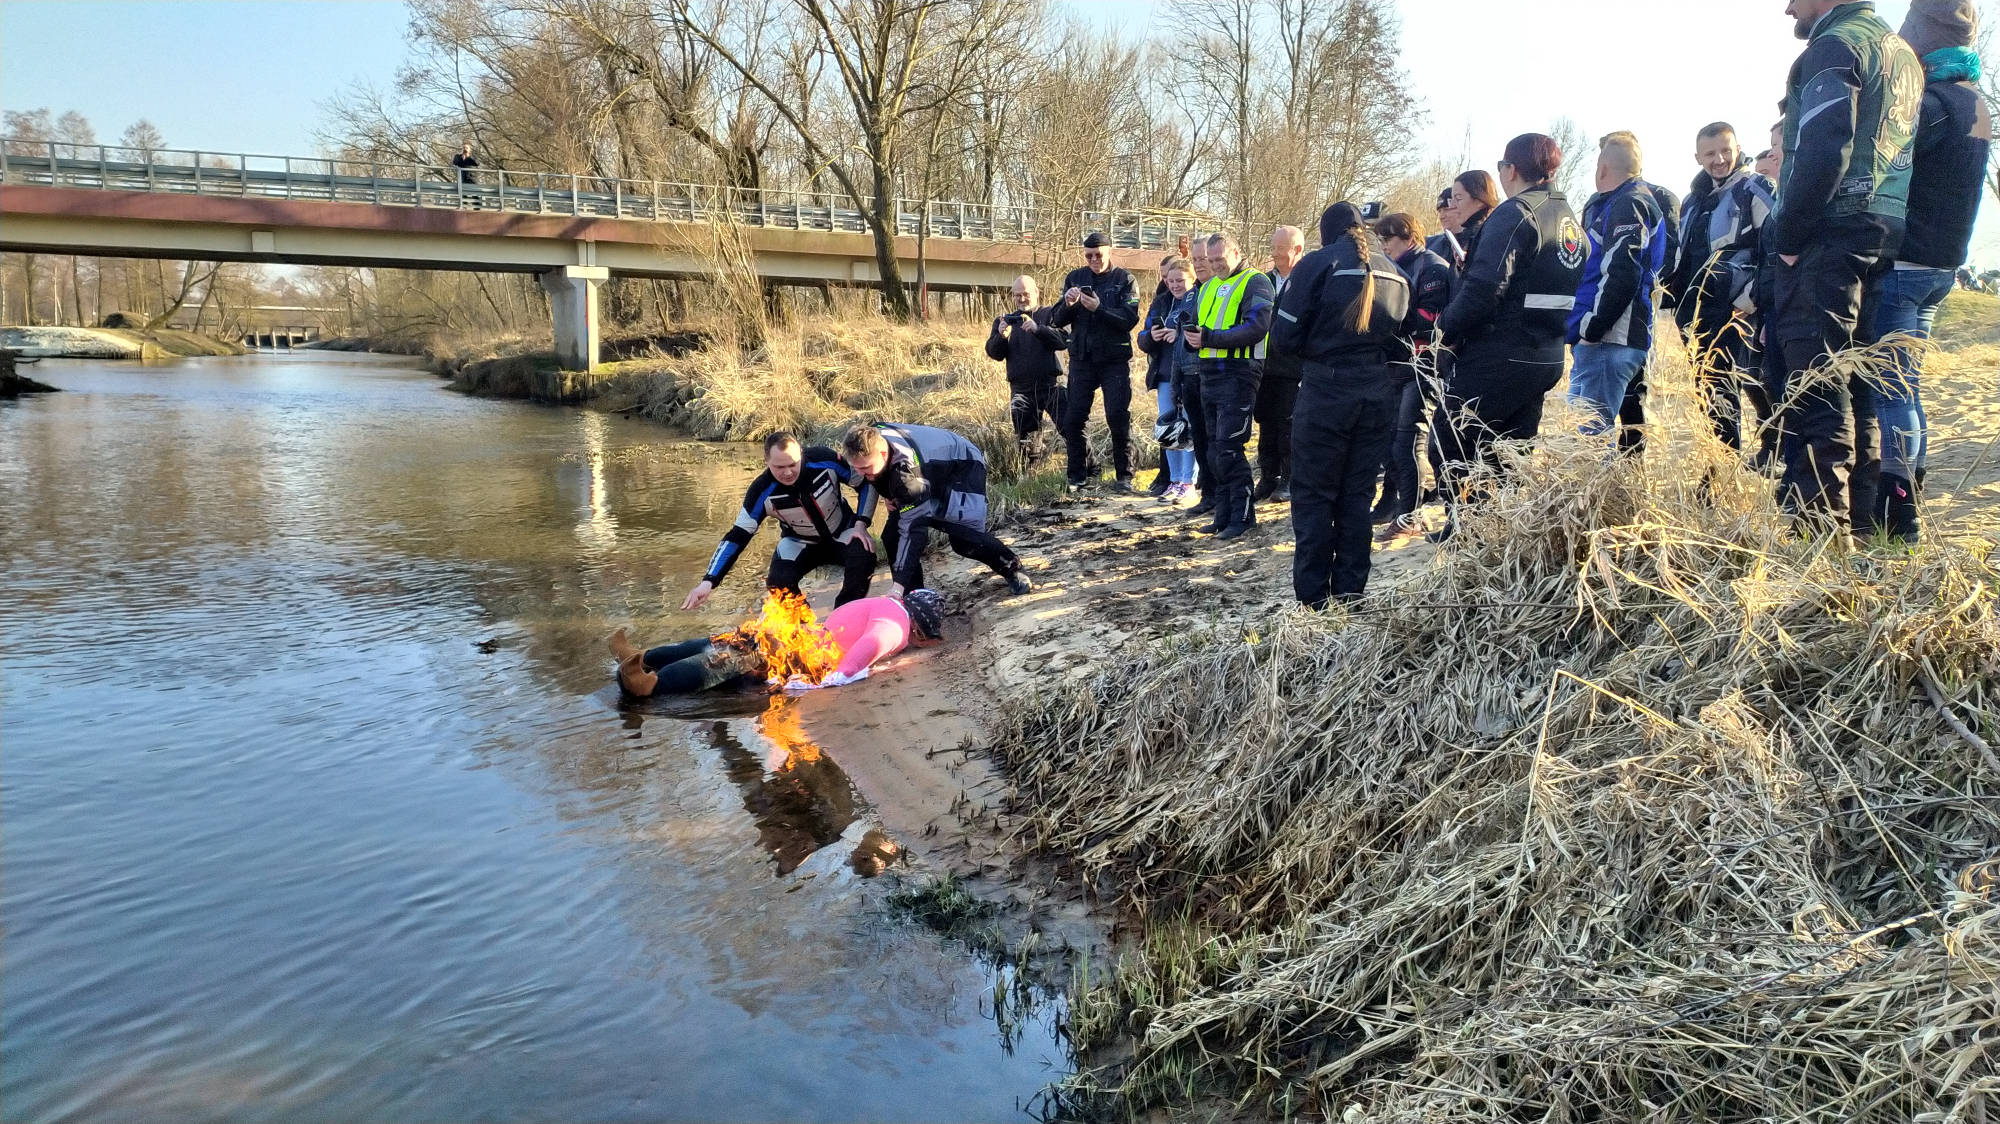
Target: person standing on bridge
<point>465,161</point>
<point>1100,307</point>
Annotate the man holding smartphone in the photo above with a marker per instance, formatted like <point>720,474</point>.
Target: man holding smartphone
<point>1100,307</point>
<point>1027,343</point>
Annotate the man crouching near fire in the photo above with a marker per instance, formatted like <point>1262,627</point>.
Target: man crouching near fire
<point>800,485</point>
<point>934,480</point>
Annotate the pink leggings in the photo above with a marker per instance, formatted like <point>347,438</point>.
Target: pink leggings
<point>868,630</point>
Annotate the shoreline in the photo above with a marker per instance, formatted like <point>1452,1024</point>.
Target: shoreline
<point>59,342</point>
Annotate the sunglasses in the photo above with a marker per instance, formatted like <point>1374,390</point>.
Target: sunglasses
<point>1503,163</point>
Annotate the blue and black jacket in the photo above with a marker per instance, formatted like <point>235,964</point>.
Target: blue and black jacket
<point>932,477</point>
<point>1722,226</point>
<point>810,510</point>
<point>1627,228</point>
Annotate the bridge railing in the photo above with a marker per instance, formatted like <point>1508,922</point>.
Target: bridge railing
<point>394,184</point>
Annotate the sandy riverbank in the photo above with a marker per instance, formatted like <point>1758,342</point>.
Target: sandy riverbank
<point>48,342</point>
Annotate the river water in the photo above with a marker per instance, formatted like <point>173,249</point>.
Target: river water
<point>319,804</point>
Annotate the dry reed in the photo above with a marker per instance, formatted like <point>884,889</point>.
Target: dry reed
<point>815,378</point>
<point>1633,807</point>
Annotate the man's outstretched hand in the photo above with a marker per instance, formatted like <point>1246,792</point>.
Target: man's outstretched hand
<point>698,595</point>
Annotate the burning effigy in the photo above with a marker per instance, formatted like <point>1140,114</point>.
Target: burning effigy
<point>789,640</point>
<point>785,647</point>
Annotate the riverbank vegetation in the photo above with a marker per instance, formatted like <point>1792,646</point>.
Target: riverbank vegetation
<point>810,376</point>
<point>1629,805</point>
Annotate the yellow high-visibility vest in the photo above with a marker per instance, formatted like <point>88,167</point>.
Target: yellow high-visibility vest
<point>1221,304</point>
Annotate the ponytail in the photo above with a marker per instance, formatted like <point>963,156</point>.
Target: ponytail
<point>1363,307</point>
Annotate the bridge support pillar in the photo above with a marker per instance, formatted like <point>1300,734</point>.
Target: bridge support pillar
<point>572,294</point>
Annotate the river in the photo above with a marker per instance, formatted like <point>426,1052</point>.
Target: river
<point>319,802</point>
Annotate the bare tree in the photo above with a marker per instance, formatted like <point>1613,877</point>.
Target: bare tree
<point>29,126</point>
<point>884,53</point>
<point>73,129</point>
<point>1576,148</point>
<point>678,70</point>
<point>1309,105</point>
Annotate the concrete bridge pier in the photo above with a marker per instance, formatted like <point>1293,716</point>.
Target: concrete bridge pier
<point>572,292</point>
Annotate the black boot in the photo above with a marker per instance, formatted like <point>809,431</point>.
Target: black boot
<point>1899,509</point>
<point>1206,505</point>
<point>1264,489</point>
<point>1235,516</point>
<point>1227,502</point>
<point>1866,510</point>
<point>1160,482</point>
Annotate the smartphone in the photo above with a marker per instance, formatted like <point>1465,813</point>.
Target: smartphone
<point>1086,290</point>
<point>1372,211</point>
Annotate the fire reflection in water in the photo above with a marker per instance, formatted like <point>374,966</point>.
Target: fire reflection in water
<point>801,801</point>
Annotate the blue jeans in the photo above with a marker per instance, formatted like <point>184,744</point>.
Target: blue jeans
<point>1179,462</point>
<point>1908,303</point>
<point>1598,376</point>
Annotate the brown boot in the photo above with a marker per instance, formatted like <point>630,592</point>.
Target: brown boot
<point>621,646</point>
<point>632,672</point>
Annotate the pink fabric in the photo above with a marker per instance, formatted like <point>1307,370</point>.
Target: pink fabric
<point>867,630</point>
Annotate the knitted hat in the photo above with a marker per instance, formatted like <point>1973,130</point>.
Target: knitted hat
<point>926,611</point>
<point>1444,199</point>
<point>1095,239</point>
<point>1933,25</point>
<point>1338,220</point>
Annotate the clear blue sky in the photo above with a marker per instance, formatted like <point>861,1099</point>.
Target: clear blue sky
<point>246,76</point>
<point>211,74</point>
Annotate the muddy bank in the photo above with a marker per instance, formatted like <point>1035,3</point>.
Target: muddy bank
<point>13,384</point>
<point>1114,576</point>
<point>45,342</point>
<point>375,345</point>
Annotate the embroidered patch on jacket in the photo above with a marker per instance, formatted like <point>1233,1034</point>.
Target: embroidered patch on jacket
<point>1571,249</point>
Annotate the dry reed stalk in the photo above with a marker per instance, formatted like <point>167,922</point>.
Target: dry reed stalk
<point>1633,807</point>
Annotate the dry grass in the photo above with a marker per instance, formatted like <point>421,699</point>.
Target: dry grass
<point>816,377</point>
<point>1634,807</point>
<point>813,377</point>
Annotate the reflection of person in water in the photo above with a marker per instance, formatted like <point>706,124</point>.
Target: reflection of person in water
<point>866,631</point>
<point>800,802</point>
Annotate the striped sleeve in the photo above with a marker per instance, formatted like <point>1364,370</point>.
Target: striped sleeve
<point>742,531</point>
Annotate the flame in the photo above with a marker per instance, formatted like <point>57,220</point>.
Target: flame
<point>781,726</point>
<point>790,639</point>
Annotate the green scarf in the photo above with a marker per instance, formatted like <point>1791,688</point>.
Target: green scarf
<point>1952,64</point>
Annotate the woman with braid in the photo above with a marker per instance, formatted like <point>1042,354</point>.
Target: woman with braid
<point>1342,314</point>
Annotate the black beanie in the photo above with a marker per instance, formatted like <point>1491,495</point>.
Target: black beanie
<point>1338,220</point>
<point>1095,239</point>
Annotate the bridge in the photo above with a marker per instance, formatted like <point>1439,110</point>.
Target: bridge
<point>271,325</point>
<point>573,231</point>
